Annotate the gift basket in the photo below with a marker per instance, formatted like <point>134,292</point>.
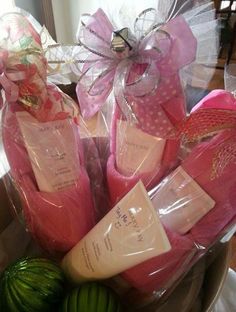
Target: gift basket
<point>117,214</point>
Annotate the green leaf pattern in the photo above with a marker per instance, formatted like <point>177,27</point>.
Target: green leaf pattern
<point>25,42</point>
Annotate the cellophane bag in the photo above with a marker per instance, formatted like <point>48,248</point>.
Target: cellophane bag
<point>46,147</point>
<point>140,70</point>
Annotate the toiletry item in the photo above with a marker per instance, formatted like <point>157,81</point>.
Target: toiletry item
<point>218,164</point>
<point>211,165</point>
<point>145,90</point>
<point>127,165</point>
<point>181,201</point>
<point>45,155</point>
<point>52,150</point>
<point>57,219</point>
<point>137,151</point>
<point>129,234</point>
<point>157,106</point>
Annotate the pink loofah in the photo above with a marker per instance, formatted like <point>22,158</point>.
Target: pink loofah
<point>218,182</point>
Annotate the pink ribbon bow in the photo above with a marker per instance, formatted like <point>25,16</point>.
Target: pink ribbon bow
<point>159,51</point>
<point>6,80</point>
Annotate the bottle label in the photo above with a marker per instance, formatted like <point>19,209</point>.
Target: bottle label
<point>52,150</point>
<point>137,151</point>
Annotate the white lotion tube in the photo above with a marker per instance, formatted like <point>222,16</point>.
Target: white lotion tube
<point>53,151</point>
<point>128,235</point>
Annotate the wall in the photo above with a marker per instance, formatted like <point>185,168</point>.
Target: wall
<point>67,14</point>
<point>31,6</point>
<point>61,13</point>
<point>79,7</point>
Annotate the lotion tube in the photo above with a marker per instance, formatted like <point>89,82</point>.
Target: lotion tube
<point>128,235</point>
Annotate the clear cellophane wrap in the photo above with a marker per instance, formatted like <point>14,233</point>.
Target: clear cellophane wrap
<point>134,77</point>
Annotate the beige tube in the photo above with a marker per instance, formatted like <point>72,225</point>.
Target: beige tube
<point>128,235</point>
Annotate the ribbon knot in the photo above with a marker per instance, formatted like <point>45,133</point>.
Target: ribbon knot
<point>122,43</point>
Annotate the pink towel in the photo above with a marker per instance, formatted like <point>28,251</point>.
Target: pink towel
<point>159,272</point>
<point>218,182</point>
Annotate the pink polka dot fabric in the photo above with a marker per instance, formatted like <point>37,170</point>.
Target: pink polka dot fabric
<point>152,111</point>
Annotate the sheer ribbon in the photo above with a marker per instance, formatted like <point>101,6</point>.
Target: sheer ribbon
<point>159,48</point>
